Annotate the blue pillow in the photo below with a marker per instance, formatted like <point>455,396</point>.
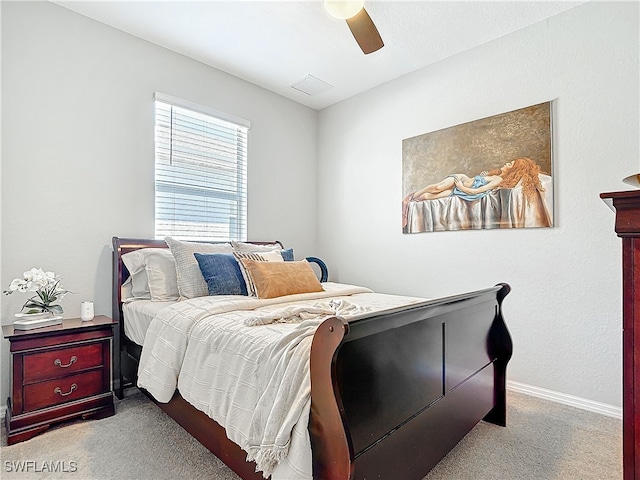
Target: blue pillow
<point>287,255</point>
<point>222,274</point>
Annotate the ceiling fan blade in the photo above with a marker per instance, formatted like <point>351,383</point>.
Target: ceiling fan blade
<point>365,32</point>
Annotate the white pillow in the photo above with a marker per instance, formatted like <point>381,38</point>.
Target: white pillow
<point>191,283</point>
<point>153,274</point>
<point>269,256</point>
<point>161,271</point>
<point>138,281</point>
<point>252,247</point>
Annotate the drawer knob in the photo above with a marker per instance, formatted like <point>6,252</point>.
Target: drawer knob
<point>58,390</point>
<point>58,362</point>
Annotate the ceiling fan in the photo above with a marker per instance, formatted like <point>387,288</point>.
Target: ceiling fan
<point>359,21</point>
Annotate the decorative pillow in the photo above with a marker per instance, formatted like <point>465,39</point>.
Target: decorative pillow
<point>287,254</point>
<point>272,256</point>
<point>191,283</point>
<point>152,274</point>
<point>161,271</point>
<point>222,273</point>
<point>253,247</point>
<point>138,280</point>
<point>276,279</point>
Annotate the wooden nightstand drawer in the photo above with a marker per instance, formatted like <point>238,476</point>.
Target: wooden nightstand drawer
<point>58,373</point>
<point>60,390</point>
<point>62,362</point>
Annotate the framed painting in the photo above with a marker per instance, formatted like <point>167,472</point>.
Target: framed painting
<point>491,173</point>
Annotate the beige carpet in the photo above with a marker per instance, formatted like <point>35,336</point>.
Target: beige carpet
<point>543,440</point>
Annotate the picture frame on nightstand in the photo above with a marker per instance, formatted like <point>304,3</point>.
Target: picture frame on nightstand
<point>29,321</point>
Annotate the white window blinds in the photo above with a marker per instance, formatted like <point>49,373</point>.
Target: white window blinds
<point>201,172</point>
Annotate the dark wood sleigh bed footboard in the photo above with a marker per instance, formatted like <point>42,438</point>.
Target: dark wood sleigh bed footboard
<point>391,393</point>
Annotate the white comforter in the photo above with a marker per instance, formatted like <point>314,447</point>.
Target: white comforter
<point>253,380</point>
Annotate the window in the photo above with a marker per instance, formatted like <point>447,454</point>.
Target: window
<point>201,172</point>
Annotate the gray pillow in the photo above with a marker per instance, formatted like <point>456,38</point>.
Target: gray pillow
<point>191,283</point>
<point>152,274</point>
<point>254,247</point>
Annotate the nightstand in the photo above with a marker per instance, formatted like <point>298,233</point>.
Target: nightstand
<point>58,373</point>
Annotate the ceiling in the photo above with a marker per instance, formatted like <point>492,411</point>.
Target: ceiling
<point>275,44</point>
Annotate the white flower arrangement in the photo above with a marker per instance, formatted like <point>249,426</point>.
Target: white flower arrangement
<point>47,287</point>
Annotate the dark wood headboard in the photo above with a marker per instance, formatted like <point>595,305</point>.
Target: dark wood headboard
<point>122,246</point>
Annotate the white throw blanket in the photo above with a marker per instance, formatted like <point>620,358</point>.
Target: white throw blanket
<point>288,386</point>
<point>253,380</point>
<point>299,313</point>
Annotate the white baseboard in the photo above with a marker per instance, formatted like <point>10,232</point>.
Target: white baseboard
<point>565,399</point>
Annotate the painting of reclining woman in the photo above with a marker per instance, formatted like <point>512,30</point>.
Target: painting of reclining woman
<point>491,173</point>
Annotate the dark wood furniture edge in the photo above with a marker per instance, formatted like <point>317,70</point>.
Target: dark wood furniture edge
<point>501,348</point>
<point>70,324</point>
<point>330,442</point>
<point>626,205</point>
<point>94,408</point>
<point>333,451</point>
<point>209,433</point>
<point>122,246</point>
<point>23,426</point>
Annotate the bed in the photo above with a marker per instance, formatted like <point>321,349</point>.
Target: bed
<point>392,390</point>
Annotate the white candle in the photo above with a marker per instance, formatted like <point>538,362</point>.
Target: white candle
<point>86,311</point>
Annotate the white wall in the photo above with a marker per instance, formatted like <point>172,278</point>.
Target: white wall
<point>564,312</point>
<point>77,149</point>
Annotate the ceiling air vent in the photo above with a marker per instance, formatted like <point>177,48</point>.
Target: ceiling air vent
<point>311,85</point>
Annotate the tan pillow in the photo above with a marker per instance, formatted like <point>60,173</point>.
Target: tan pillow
<point>276,279</point>
<point>266,256</point>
